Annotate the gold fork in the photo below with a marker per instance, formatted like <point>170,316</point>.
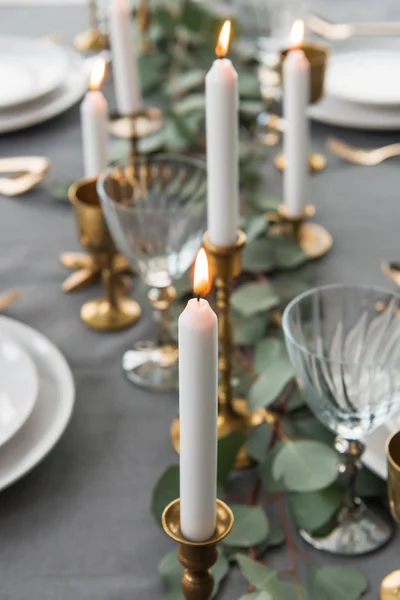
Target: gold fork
<point>362,156</point>
<point>343,31</point>
<point>8,297</point>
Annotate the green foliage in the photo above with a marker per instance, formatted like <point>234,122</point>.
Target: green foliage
<point>263,578</point>
<point>228,447</point>
<point>251,526</point>
<point>305,466</point>
<point>252,298</point>
<point>258,441</point>
<point>251,330</point>
<point>270,384</point>
<point>165,491</point>
<point>336,583</point>
<point>312,510</point>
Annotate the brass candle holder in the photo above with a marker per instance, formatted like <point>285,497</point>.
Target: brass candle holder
<point>233,414</point>
<point>390,586</point>
<point>141,124</point>
<point>93,39</point>
<point>317,55</point>
<point>314,239</point>
<point>114,311</point>
<point>197,557</point>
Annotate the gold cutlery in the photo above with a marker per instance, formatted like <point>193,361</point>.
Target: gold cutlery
<point>18,174</point>
<point>7,298</point>
<point>362,156</point>
<point>343,31</point>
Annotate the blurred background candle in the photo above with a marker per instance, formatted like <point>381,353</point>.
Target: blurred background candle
<point>198,392</point>
<point>125,70</point>
<point>222,145</point>
<point>296,90</point>
<point>94,120</point>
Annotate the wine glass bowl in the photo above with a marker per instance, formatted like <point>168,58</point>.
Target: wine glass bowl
<point>155,207</point>
<point>344,344</point>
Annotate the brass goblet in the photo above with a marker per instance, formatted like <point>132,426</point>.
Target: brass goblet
<point>317,55</point>
<point>114,311</point>
<point>390,586</point>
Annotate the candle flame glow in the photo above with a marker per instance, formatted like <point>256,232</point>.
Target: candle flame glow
<point>222,47</point>
<point>202,279</point>
<point>297,34</point>
<point>97,75</point>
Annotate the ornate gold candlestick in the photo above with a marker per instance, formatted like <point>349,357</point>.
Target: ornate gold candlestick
<point>314,239</point>
<point>317,55</point>
<point>197,557</point>
<point>114,311</point>
<point>93,39</point>
<point>233,414</point>
<point>390,586</point>
<point>141,124</point>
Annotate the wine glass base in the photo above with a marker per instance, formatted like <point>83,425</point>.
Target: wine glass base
<point>354,536</point>
<point>99,314</point>
<point>241,421</point>
<point>151,366</point>
<point>316,162</point>
<point>92,39</point>
<point>314,240</point>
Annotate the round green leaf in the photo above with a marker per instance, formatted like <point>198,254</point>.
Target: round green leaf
<point>257,256</point>
<point>291,591</point>
<point>312,510</point>
<point>249,331</point>
<point>305,466</point>
<point>257,596</point>
<point>265,471</point>
<point>228,447</point>
<point>270,384</point>
<point>263,578</point>
<point>252,298</point>
<point>268,350</point>
<point>166,490</point>
<point>250,528</point>
<point>336,583</point>
<point>255,227</point>
<point>258,440</point>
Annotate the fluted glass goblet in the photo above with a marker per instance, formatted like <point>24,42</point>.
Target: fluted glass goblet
<point>344,344</point>
<point>155,209</point>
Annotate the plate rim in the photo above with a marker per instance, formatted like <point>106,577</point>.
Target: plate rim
<point>14,430</point>
<point>57,79</point>
<point>40,451</point>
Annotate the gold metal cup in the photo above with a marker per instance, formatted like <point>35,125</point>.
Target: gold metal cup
<point>317,55</point>
<point>197,557</point>
<point>112,312</point>
<point>390,586</point>
<point>93,39</point>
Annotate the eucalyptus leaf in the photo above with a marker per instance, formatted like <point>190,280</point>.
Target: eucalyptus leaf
<point>151,69</point>
<point>185,82</point>
<point>263,202</point>
<point>165,491</point>
<point>257,596</point>
<point>265,471</point>
<point>305,466</point>
<point>293,592</point>
<point>368,484</point>
<point>249,86</point>
<point>263,578</point>
<point>276,537</point>
<point>251,526</point>
<point>198,18</point>
<point>249,331</point>
<point>305,425</point>
<point>267,351</point>
<point>171,572</point>
<point>251,108</point>
<point>270,384</point>
<point>252,298</point>
<point>188,104</point>
<point>313,510</point>
<point>335,583</point>
<point>228,447</point>
<point>296,401</point>
<point>257,256</point>
<point>287,254</point>
<point>258,440</point>
<point>255,227</point>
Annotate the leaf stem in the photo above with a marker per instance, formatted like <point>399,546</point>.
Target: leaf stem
<point>291,546</point>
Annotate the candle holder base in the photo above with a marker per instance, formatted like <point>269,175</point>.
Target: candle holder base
<point>87,271</point>
<point>101,315</point>
<point>314,239</point>
<point>240,420</point>
<point>92,40</point>
<point>316,162</point>
<point>197,557</point>
<point>141,124</point>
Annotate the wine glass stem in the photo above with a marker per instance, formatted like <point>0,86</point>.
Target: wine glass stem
<point>161,300</point>
<point>109,281</point>
<point>350,452</point>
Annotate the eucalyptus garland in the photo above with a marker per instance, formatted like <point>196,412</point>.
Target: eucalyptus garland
<point>297,469</point>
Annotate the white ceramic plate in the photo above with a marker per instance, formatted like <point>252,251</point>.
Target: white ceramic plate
<point>74,86</point>
<point>334,111</point>
<point>18,387</point>
<point>29,69</point>
<point>52,409</point>
<point>369,76</point>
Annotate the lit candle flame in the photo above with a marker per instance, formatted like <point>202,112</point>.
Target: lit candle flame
<point>201,279</point>
<point>97,75</point>
<point>222,47</point>
<point>297,34</point>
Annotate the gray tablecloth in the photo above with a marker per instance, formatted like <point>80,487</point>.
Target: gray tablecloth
<point>79,527</point>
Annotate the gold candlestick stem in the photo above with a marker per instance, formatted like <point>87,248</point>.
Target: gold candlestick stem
<point>93,39</point>
<point>233,414</point>
<point>197,557</point>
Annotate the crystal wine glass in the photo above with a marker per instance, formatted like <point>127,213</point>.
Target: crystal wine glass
<point>344,344</point>
<point>155,208</point>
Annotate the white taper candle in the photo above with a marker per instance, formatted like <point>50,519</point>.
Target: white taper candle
<point>222,147</point>
<point>94,122</point>
<point>125,70</point>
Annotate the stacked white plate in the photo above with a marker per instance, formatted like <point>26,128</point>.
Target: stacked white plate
<point>40,80</point>
<point>36,398</point>
<point>362,89</point>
